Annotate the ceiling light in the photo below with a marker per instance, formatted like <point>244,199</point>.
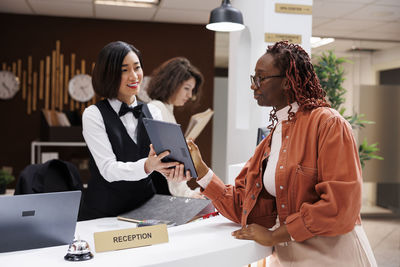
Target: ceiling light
<point>318,41</point>
<point>128,3</point>
<point>225,18</point>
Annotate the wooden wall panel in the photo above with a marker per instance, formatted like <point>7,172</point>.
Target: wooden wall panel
<point>36,36</point>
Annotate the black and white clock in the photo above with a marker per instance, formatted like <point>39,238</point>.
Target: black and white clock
<point>80,88</point>
<point>9,84</point>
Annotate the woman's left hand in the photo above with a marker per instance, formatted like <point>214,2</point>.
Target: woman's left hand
<point>262,235</point>
<point>255,232</point>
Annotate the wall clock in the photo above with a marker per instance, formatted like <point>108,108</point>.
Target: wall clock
<point>9,84</point>
<point>80,88</point>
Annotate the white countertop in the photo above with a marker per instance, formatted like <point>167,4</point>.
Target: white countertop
<point>202,243</point>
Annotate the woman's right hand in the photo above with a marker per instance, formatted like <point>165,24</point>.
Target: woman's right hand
<point>199,164</point>
<point>154,163</point>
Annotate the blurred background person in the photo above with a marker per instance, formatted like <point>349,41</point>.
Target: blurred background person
<point>175,83</point>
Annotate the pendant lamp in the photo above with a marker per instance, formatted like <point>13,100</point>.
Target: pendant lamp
<point>225,18</point>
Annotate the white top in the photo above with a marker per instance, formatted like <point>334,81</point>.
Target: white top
<point>178,189</point>
<point>167,110</point>
<point>94,132</point>
<point>269,174</point>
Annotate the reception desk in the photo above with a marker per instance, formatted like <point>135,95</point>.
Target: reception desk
<point>204,243</point>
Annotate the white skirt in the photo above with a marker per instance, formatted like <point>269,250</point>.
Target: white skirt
<point>351,249</point>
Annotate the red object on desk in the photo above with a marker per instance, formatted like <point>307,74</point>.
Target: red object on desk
<point>212,214</point>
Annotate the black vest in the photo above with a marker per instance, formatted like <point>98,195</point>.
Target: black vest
<point>104,199</point>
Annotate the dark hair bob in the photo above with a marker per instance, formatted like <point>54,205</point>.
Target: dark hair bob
<point>106,75</point>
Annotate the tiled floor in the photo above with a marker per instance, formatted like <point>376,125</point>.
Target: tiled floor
<point>384,236</point>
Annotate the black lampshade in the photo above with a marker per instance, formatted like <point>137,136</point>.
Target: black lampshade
<point>225,18</point>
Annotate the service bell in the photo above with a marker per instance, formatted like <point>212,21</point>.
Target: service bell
<point>78,251</point>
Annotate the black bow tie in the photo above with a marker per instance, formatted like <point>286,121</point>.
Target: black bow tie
<point>125,109</point>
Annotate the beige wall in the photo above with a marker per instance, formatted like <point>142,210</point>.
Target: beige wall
<point>365,97</point>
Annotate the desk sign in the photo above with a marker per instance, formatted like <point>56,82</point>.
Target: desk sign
<point>276,37</point>
<point>130,238</point>
<point>293,9</point>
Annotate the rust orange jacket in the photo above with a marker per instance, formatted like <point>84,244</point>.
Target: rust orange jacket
<point>318,180</point>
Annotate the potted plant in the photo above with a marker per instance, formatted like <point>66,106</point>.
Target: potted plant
<point>330,72</point>
<point>5,179</point>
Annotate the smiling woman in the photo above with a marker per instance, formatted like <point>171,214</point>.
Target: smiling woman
<point>131,77</point>
<point>125,170</point>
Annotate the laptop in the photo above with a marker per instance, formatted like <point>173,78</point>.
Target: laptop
<point>38,220</point>
<point>168,136</point>
<point>262,133</point>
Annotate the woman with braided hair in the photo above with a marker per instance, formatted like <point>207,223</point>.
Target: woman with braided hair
<point>301,190</point>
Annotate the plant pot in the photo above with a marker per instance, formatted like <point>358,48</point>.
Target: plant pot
<point>3,188</point>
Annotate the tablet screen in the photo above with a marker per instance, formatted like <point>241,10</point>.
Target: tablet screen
<point>168,136</point>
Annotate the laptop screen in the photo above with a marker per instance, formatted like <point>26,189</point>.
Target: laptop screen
<point>38,220</point>
<point>261,134</point>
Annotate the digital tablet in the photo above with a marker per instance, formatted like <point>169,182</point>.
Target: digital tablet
<point>168,136</point>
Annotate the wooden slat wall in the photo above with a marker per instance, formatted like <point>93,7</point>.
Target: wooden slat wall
<point>84,38</point>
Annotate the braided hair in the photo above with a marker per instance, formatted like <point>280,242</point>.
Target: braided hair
<point>304,87</point>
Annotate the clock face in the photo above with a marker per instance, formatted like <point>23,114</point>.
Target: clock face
<point>80,88</point>
<point>9,84</point>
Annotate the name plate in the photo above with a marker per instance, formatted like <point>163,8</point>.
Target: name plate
<point>130,238</point>
<point>276,37</point>
<point>293,9</point>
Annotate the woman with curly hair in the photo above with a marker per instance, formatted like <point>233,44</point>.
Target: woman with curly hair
<point>301,190</point>
<point>174,83</point>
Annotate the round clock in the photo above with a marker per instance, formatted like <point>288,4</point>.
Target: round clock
<point>9,84</point>
<point>80,88</point>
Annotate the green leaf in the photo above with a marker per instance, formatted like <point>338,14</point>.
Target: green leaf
<point>5,177</point>
<point>367,151</point>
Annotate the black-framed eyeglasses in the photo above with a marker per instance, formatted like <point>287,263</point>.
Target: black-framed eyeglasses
<point>256,80</point>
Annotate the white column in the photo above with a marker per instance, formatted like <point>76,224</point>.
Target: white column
<point>244,116</point>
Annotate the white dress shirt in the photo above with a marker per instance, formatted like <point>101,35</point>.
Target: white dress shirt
<point>96,138</point>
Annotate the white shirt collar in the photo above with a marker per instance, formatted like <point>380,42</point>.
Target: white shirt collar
<point>283,113</point>
<point>116,104</point>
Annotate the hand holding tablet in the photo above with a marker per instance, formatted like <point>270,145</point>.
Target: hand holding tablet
<point>155,162</point>
<point>168,136</point>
